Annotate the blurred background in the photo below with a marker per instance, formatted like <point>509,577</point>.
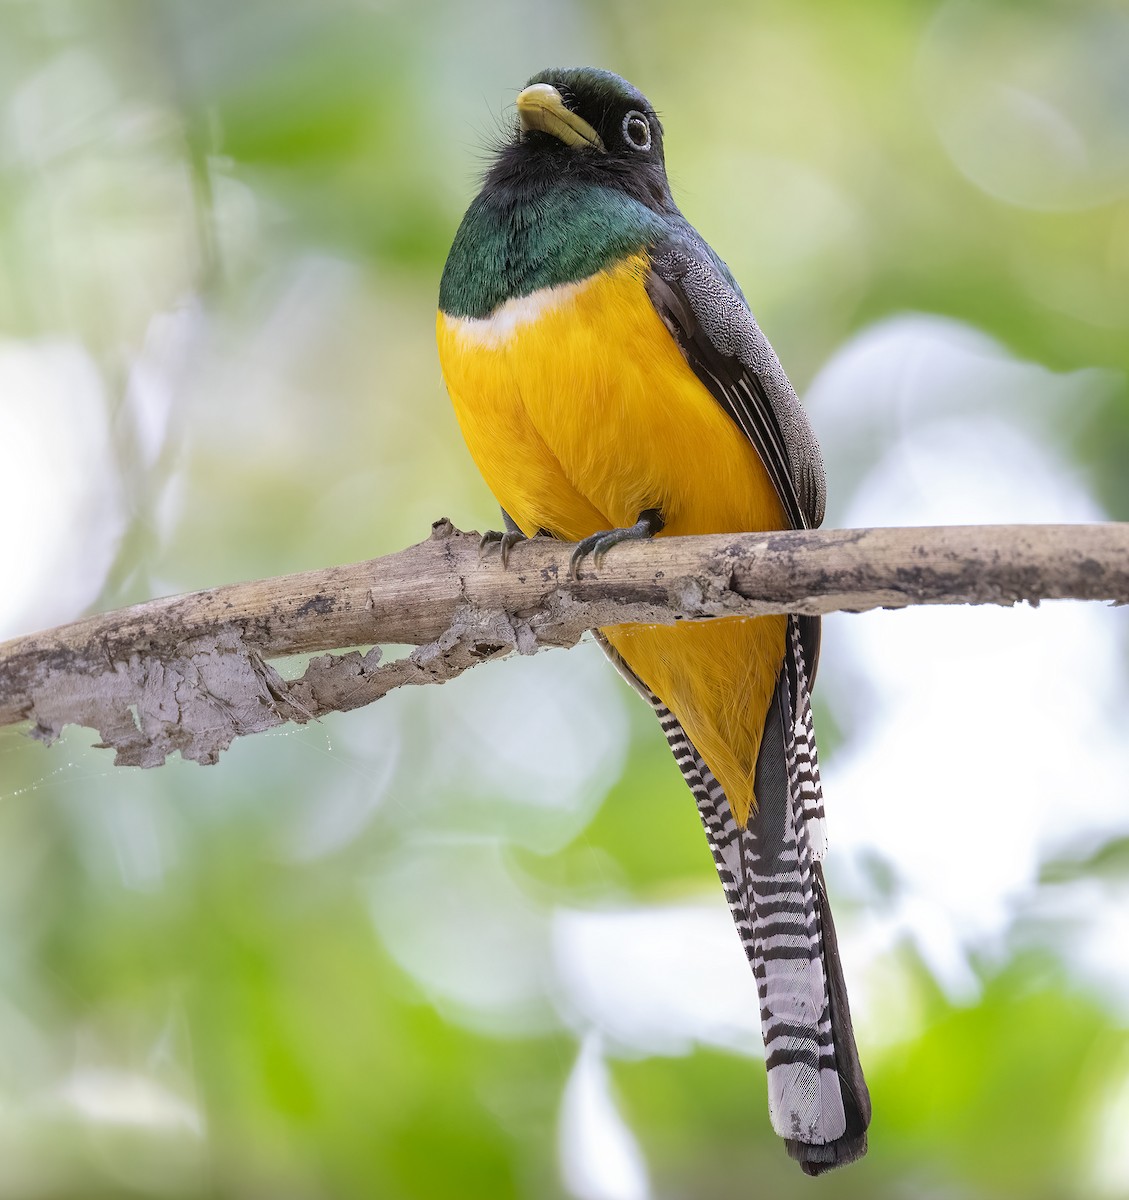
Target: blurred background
<point>469,942</point>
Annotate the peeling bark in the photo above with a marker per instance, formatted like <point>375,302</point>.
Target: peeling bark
<point>190,673</point>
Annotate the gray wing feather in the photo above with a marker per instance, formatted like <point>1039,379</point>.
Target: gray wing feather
<point>701,304</point>
<point>707,314</point>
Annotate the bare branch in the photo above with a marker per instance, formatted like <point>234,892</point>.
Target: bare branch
<point>190,673</point>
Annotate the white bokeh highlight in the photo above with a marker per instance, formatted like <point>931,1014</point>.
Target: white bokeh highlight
<point>657,980</point>
<point>600,1158</point>
<point>59,489</point>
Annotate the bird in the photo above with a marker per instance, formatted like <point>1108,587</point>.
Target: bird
<point>612,384</point>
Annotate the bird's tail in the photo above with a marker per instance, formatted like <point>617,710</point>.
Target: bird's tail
<point>770,869</point>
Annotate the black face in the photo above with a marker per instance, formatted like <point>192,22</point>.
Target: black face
<point>631,160</point>
<point>619,113</point>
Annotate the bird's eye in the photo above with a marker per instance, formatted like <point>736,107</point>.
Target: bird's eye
<point>637,131</point>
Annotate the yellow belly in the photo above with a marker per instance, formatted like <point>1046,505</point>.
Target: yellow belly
<point>580,411</point>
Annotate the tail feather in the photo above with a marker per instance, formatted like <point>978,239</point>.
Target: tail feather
<point>856,1097</point>
<point>818,1099</point>
<point>804,778</point>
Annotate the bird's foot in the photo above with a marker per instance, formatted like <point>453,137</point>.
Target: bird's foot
<point>598,544</point>
<point>504,541</point>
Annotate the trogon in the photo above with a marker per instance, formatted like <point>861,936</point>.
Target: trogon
<point>612,383</point>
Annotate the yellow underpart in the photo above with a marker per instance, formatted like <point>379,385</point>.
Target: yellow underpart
<point>580,411</point>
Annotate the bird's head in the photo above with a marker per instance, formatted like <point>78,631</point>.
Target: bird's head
<point>577,185</point>
<point>583,123</point>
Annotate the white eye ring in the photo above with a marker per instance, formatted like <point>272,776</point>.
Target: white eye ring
<point>637,130</point>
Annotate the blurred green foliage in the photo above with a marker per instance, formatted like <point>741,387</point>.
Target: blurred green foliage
<point>202,987</point>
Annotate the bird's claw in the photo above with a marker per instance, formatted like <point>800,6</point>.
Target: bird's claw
<point>596,545</point>
<point>504,541</point>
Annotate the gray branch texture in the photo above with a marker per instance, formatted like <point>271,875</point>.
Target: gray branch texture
<point>191,673</point>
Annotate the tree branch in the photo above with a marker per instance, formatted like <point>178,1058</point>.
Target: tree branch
<point>189,673</point>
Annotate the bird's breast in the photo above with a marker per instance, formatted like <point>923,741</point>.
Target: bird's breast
<point>581,411</point>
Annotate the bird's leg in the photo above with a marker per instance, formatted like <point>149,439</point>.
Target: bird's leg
<point>505,541</point>
<point>598,544</point>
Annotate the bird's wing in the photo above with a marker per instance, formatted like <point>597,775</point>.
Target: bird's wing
<point>818,1099</point>
<point>702,306</point>
<point>705,312</point>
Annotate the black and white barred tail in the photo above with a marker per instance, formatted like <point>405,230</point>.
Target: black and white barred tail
<point>770,870</point>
